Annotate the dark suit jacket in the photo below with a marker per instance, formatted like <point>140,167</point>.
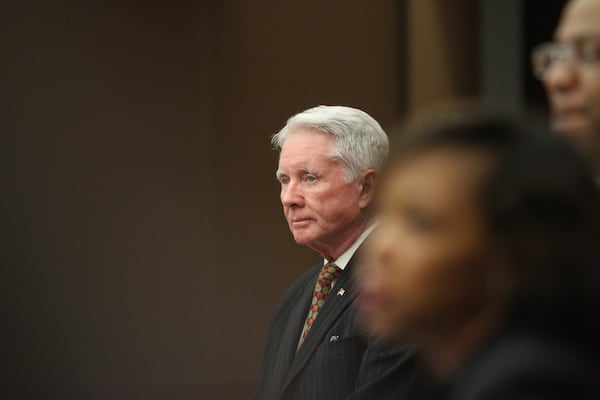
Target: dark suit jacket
<point>527,366</point>
<point>336,361</point>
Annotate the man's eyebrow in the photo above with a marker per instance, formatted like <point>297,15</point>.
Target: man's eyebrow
<point>576,37</point>
<point>305,170</point>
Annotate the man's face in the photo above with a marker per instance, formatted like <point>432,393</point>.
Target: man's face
<point>321,208</point>
<point>573,86</point>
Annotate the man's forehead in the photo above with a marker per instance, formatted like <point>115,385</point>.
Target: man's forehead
<point>304,168</point>
<point>325,166</point>
<point>580,19</point>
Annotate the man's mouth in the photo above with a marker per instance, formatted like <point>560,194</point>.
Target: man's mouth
<point>300,222</point>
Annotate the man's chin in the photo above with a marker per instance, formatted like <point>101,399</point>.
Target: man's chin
<point>571,128</point>
<point>301,241</point>
<point>302,238</point>
<point>582,135</point>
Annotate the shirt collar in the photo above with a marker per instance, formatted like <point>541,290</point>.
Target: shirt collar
<point>343,260</point>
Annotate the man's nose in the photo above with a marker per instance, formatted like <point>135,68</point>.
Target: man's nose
<point>561,76</point>
<point>291,195</point>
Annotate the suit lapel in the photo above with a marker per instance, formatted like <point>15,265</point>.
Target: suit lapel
<point>329,314</point>
<point>296,323</point>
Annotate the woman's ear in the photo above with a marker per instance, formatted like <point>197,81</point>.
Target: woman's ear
<point>367,188</point>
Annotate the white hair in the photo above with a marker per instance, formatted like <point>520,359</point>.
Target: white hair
<point>360,142</point>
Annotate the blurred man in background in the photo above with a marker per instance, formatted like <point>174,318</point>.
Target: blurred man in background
<point>570,71</point>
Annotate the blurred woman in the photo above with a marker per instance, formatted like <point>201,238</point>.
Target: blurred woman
<point>487,259</point>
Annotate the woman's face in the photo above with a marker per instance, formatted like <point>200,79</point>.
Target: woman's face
<point>426,263</point>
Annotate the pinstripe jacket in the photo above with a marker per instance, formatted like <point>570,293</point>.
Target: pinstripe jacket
<point>336,361</point>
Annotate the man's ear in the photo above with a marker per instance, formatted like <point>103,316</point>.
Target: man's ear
<point>367,187</point>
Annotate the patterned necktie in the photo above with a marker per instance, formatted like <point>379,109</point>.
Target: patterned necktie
<point>327,275</point>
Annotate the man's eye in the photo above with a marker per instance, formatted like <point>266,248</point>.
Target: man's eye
<point>311,178</point>
<point>284,180</point>
<point>589,52</point>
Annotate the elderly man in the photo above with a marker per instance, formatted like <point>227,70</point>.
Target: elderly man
<point>328,163</point>
<point>570,71</point>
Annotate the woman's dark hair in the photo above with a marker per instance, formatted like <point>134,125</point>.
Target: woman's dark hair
<point>541,207</point>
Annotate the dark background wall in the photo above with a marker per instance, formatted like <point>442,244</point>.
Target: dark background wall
<point>144,246</point>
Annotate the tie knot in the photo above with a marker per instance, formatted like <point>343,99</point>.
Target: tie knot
<point>329,273</point>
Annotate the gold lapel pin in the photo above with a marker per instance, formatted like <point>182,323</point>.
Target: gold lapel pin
<point>341,292</point>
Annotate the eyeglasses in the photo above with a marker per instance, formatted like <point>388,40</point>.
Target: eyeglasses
<point>578,53</point>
